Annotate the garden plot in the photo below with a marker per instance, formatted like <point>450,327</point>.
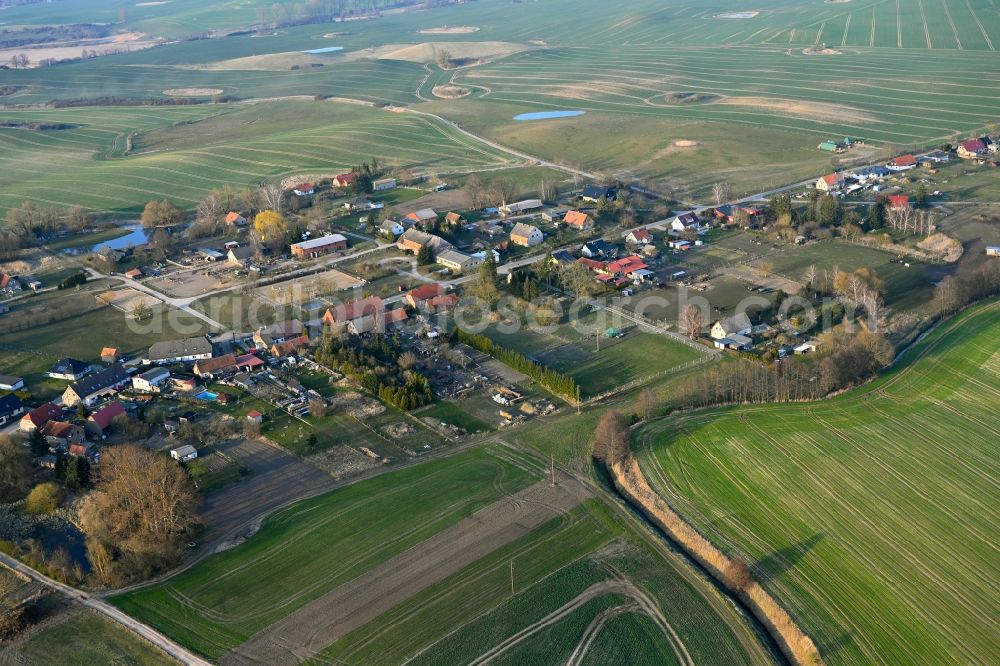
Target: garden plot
<point>326,287</point>
<point>126,300</point>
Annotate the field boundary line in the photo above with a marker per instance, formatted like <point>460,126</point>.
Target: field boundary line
<point>927,30</point>
<point>975,16</point>
<point>954,29</point>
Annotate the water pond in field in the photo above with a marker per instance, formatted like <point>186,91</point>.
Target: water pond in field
<point>328,49</point>
<point>545,115</point>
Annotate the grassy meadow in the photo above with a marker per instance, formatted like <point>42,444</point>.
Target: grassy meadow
<point>871,515</point>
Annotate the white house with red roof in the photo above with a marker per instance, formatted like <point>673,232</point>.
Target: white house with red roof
<point>902,163</point>
<point>971,149</point>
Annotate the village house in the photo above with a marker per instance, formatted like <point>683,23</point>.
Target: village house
<point>239,256</point>
<point>215,367</point>
<point>685,222</point>
<point>317,247</point>
<point>597,193</point>
<point>289,347</point>
<point>454,219</point>
<point>342,314</point>
<point>738,324</point>
<point>971,149</point>
<point>70,369</point>
<point>639,237</point>
<point>577,219</point>
<point>562,258</point>
<point>391,228</point>
<point>458,261</point>
<point>599,248</point>
<point>526,235</point>
<point>412,240</point>
<point>249,363</point>
<point>416,297</point>
<point>285,330</point>
<point>151,381</point>
<point>422,217</point>
<point>870,173</point>
<point>729,212</point>
<point>235,219</point>
<point>99,422</point>
<point>344,180</point>
<point>182,384</point>
<point>902,163</point>
<point>383,184</point>
<point>807,347</point>
<point>60,434</point>
<point>179,351</point>
<point>40,415</point>
<point>90,390</point>
<point>29,282</point>
<point>377,323</point>
<point>304,189</point>
<point>520,207</point>
<point>830,182</point>
<point>110,355</point>
<point>134,274</point>
<point>11,383</point>
<point>10,408</point>
<point>184,453</point>
<point>898,201</point>
<point>255,417</point>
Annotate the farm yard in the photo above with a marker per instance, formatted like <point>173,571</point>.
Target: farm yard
<point>571,560</point>
<point>821,499</point>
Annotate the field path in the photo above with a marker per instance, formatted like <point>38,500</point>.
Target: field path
<point>325,620</point>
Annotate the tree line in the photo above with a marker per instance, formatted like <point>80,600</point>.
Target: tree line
<point>554,381</point>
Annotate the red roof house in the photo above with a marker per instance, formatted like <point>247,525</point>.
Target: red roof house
<point>578,220</point>
<point>102,419</point>
<point>907,160</point>
<point>344,179</point>
<point>249,362</point>
<point>39,416</point>
<point>416,297</point>
<point>899,201</point>
<point>346,312</point>
<point>971,148</point>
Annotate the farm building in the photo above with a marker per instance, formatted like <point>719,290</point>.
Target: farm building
<point>215,367</point>
<point>133,274</point>
<point>526,235</point>
<point>345,312</point>
<point>284,330</point>
<point>577,219</point>
<point>554,214</point>
<point>40,415</point>
<point>832,147</point>
<point>520,207</point>
<point>110,355</point>
<point>738,324</point>
<point>807,347</point>
<point>249,362</point>
<point>11,383</point>
<point>10,408</point>
<point>151,381</point>
<point>60,433</point>
<point>289,346</point>
<point>383,184</point>
<point>317,247</point>
<point>993,250</point>
<point>184,453</point>
<point>304,189</point>
<point>240,255</point>
<point>458,261</point>
<point>101,420</point>
<point>734,341</point>
<point>176,351</point>
<point>422,216</point>
<point>91,389</point>
<point>454,219</point>
<point>413,240</point>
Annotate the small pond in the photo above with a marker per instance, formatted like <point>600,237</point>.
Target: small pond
<point>328,49</point>
<point>545,115</point>
<point>136,236</point>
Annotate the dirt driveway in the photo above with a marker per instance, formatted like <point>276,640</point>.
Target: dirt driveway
<point>323,621</point>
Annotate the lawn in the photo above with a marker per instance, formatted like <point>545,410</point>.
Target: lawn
<point>871,516</point>
<point>85,638</point>
<point>453,414</point>
<point>229,596</point>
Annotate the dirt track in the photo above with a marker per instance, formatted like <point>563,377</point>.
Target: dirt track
<point>323,621</point>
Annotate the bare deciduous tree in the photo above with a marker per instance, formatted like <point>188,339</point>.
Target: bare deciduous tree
<point>692,321</point>
<point>737,575</point>
<point>721,193</point>
<point>271,196</point>
<point>612,438</point>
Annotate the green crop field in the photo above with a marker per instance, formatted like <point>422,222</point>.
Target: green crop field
<point>181,153</point>
<point>872,516</point>
<point>223,601</point>
<point>87,639</point>
<point>734,90</point>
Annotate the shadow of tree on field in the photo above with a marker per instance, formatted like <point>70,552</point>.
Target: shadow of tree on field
<point>783,559</point>
<point>836,644</point>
